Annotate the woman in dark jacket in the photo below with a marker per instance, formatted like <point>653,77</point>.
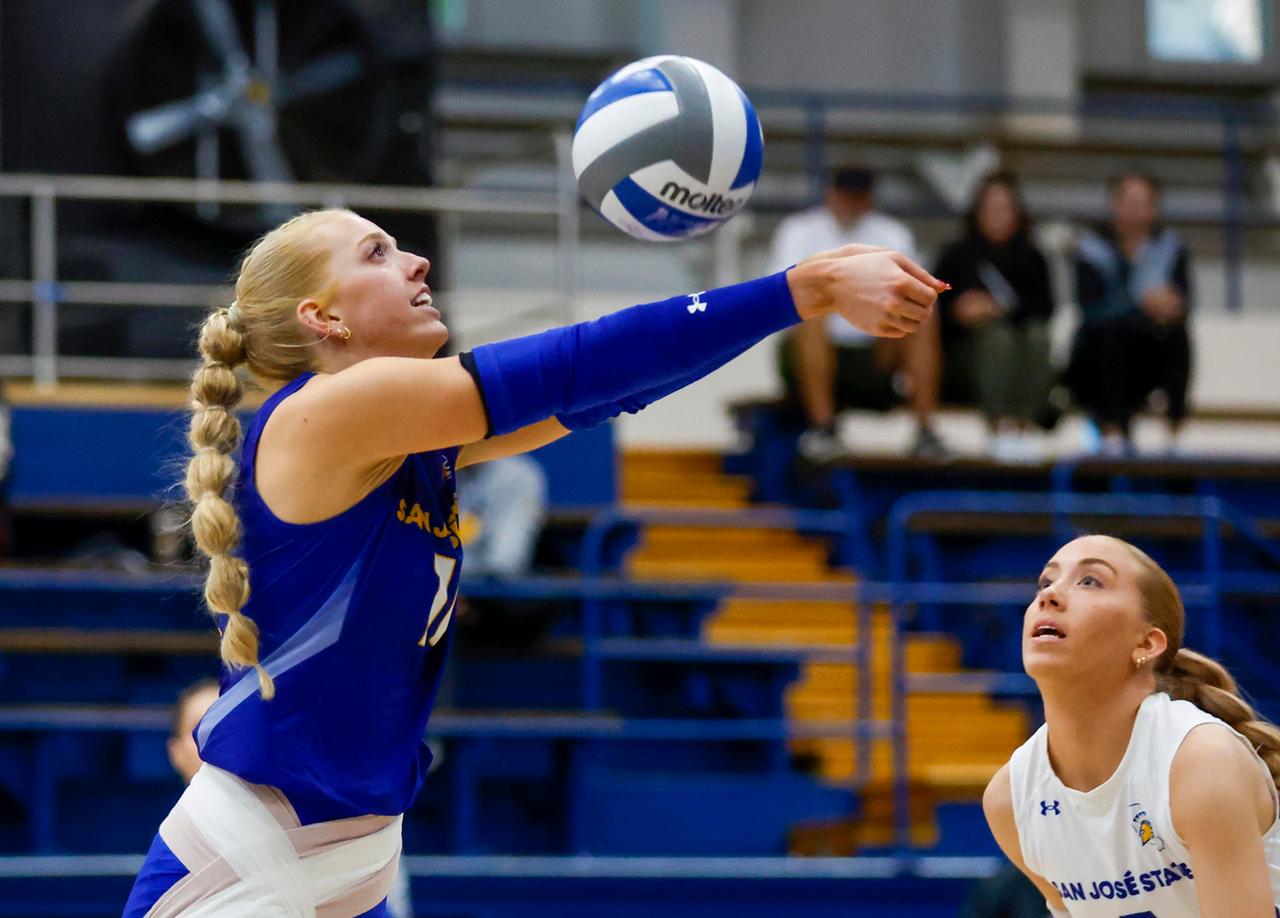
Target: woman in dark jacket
<point>1134,287</point>
<point>996,316</point>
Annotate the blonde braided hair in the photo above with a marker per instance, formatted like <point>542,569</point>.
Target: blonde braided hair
<point>259,330</point>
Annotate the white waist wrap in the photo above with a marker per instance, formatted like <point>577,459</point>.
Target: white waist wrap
<point>248,855</point>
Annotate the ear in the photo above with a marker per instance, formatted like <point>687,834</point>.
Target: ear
<point>1154,643</point>
<point>313,318</point>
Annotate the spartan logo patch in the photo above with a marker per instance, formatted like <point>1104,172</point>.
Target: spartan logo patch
<point>1141,824</point>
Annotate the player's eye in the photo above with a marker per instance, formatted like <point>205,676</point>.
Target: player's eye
<point>1043,583</point>
<point>379,250</point>
<point>1090,580</point>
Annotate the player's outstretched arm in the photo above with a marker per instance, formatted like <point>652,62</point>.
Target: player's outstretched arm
<point>1221,807</point>
<point>997,805</point>
<point>386,407</point>
<point>657,349</point>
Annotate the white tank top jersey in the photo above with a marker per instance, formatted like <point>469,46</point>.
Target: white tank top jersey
<point>1112,852</point>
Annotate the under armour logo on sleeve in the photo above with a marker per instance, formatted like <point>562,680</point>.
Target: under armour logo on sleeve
<point>696,303</point>
<point>1046,808</point>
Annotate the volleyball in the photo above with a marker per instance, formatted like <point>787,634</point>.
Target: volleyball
<point>667,148</point>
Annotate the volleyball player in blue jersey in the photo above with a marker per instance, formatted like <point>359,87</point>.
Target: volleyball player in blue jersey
<point>334,565</point>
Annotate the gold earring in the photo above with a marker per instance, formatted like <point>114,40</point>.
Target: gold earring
<point>1140,662</point>
<point>346,333</point>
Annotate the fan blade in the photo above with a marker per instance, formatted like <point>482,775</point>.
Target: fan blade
<point>156,128</point>
<point>262,154</point>
<point>266,40</point>
<point>333,71</point>
<point>223,34</point>
<point>261,146</point>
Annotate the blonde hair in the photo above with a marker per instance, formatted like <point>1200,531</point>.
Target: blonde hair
<point>1192,676</point>
<point>280,270</point>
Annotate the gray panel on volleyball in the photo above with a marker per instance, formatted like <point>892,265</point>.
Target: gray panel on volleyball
<point>686,139</point>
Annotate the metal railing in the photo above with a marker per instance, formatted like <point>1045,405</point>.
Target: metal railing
<point>46,291</point>
<point>900,594</point>
<point>816,113</point>
<point>820,120</point>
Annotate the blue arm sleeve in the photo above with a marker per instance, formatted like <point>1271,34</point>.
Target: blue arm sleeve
<point>590,417</point>
<point>628,358</point>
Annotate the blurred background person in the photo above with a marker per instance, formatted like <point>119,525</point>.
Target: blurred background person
<point>995,318</point>
<point>502,506</point>
<point>828,365</point>
<point>1134,288</point>
<point>191,705</point>
<point>1005,894</point>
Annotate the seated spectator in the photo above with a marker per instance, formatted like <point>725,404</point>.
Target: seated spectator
<point>1134,288</point>
<point>502,506</point>
<point>828,365</point>
<point>995,318</point>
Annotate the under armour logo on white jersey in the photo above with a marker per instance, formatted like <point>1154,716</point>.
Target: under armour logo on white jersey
<point>696,303</point>
<point>1046,808</point>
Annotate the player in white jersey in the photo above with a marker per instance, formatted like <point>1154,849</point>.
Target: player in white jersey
<point>1150,791</point>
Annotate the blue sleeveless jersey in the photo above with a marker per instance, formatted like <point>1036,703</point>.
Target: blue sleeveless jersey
<point>354,614</point>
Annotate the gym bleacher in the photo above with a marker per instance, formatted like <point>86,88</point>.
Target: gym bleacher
<point>734,683</point>
<point>695,684</point>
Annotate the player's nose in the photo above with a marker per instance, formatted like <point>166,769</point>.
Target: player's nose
<point>418,266</point>
<point>1049,598</point>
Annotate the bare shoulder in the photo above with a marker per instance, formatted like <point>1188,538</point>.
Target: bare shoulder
<point>342,434</point>
<point>997,806</point>
<point>380,408</point>
<point>1214,774</point>
<point>997,799</point>
<point>1212,750</point>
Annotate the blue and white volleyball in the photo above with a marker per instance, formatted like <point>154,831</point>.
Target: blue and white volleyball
<point>667,148</point>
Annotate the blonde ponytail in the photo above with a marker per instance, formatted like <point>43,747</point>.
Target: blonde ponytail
<point>214,434</point>
<point>1205,682</point>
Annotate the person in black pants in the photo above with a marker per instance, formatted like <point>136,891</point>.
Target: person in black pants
<point>1134,289</point>
<point>995,318</point>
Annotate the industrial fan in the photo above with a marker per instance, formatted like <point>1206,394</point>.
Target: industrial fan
<point>276,90</point>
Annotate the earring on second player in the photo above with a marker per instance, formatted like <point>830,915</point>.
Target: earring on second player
<point>1139,663</point>
<point>345,333</point>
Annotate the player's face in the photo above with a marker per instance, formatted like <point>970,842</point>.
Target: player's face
<point>381,292</point>
<point>183,754</point>
<point>1086,618</point>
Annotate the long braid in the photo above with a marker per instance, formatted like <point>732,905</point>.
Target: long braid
<point>214,434</point>
<point>262,332</point>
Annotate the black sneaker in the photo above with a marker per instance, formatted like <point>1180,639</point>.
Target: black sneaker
<point>929,445</point>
